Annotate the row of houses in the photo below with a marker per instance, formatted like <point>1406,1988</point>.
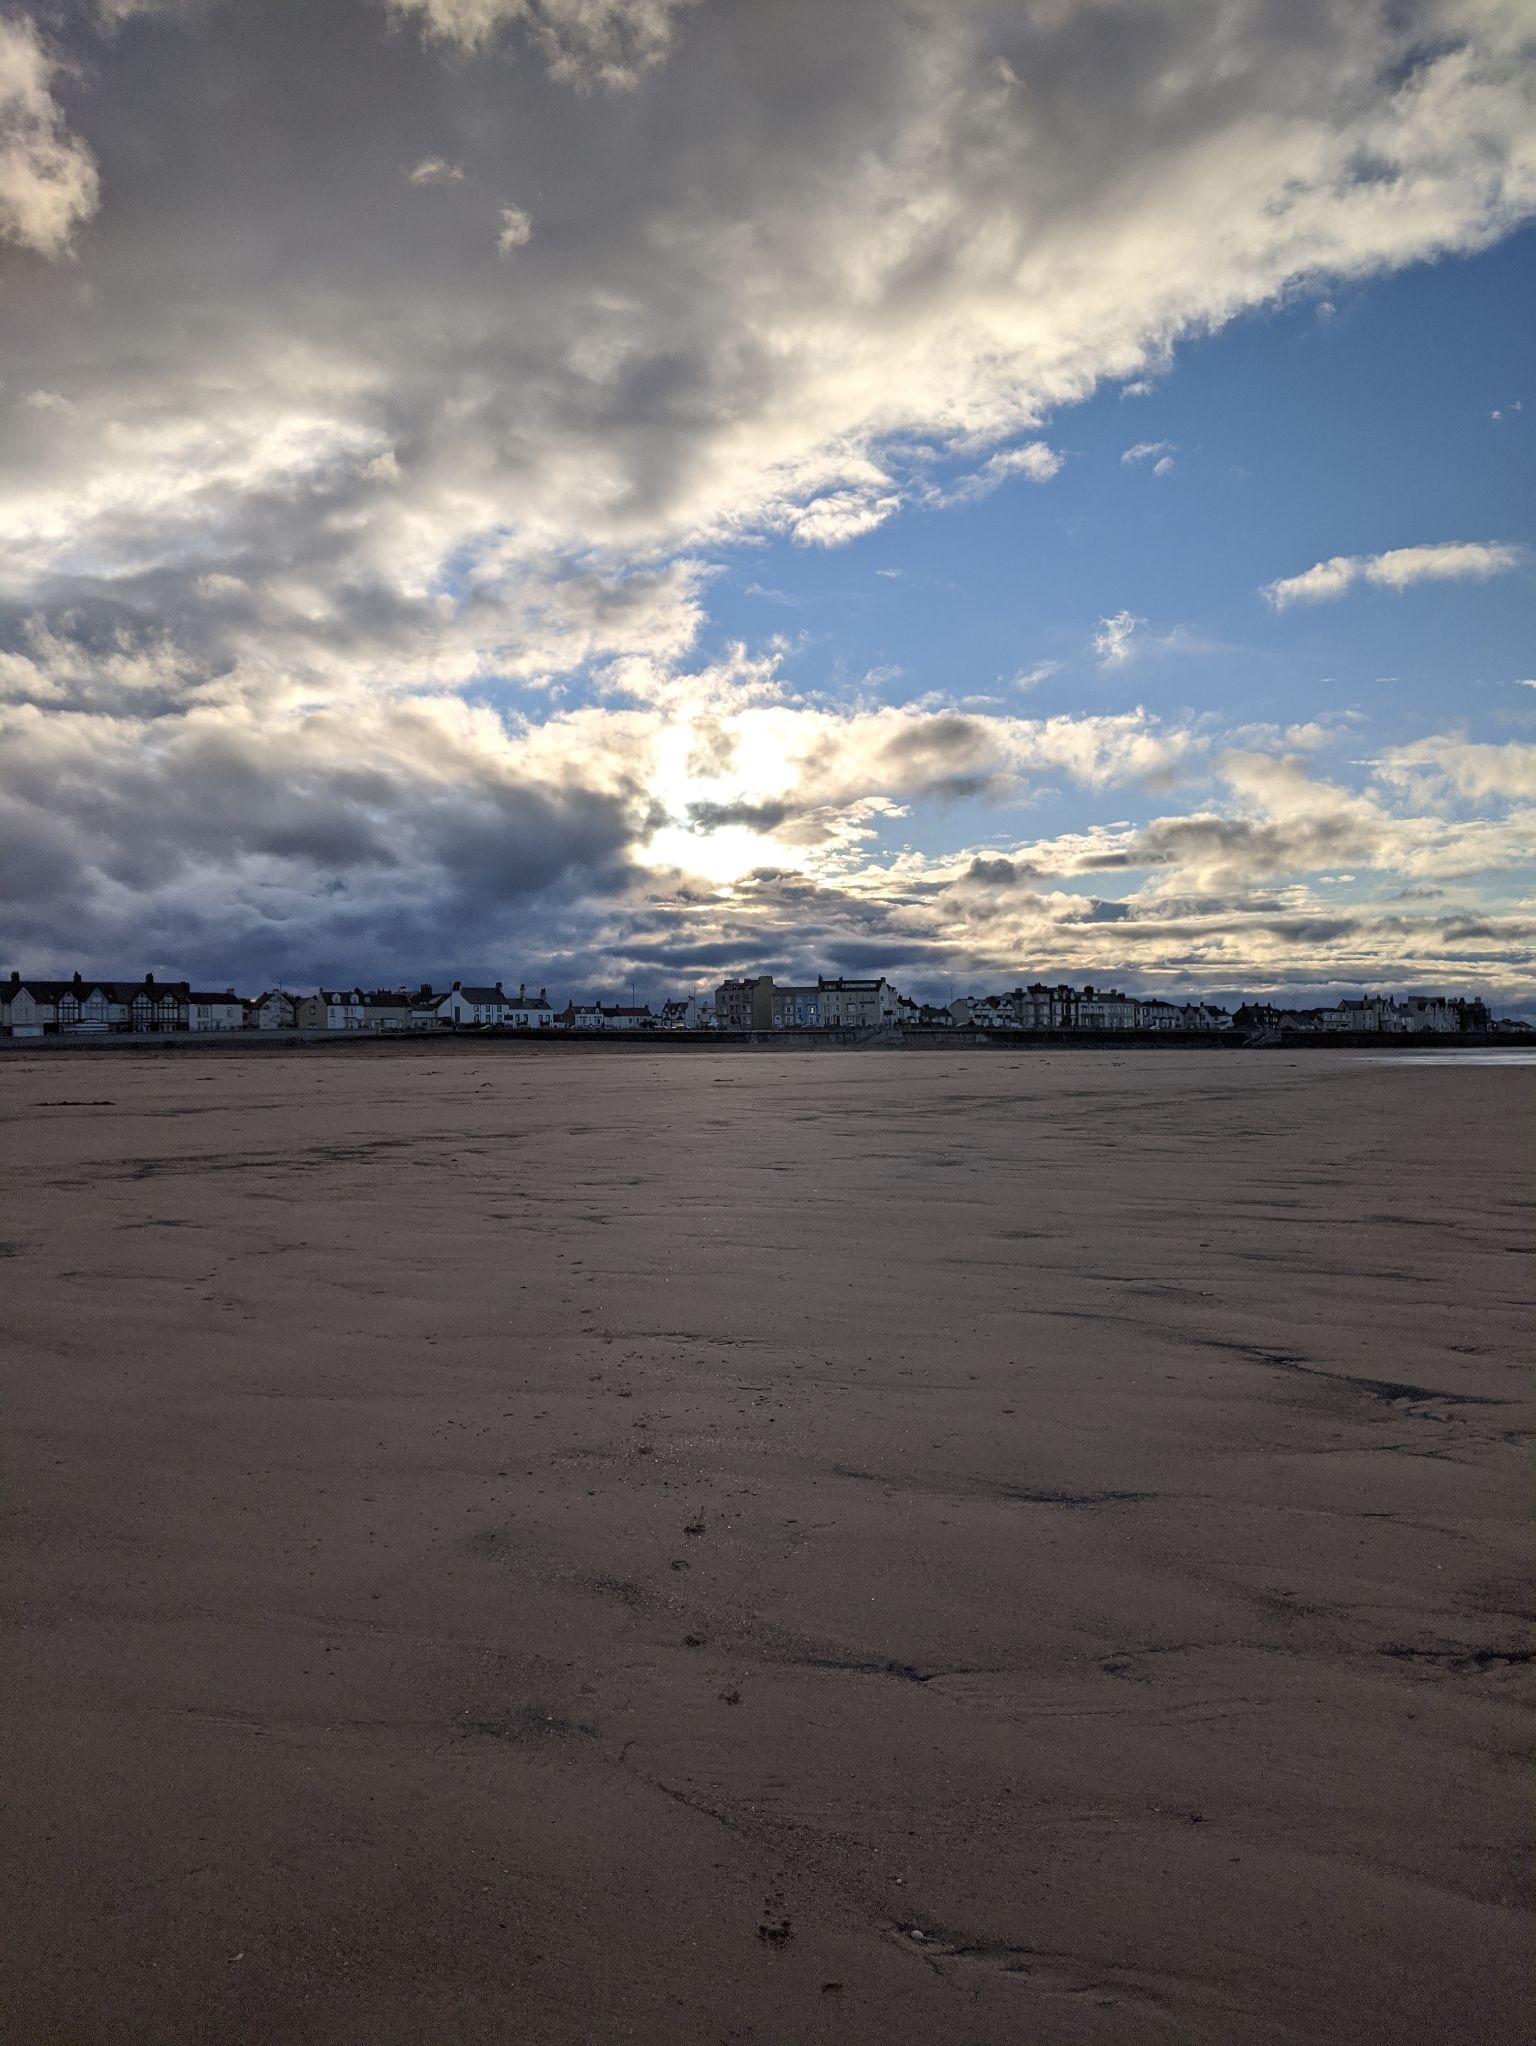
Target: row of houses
<point>377,1009</point>
<point>1380,1013</point>
<point>79,1006</point>
<point>31,1007</point>
<point>762,1004</point>
<point>38,1008</point>
<point>1085,1008</point>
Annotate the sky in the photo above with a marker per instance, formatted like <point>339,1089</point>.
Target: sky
<point>621,492</point>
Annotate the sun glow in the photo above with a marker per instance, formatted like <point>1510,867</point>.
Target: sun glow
<point>756,772</point>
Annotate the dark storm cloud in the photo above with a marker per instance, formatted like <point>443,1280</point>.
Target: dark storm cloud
<point>756,816</point>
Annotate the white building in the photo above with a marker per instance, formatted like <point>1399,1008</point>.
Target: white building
<point>1106,1010</point>
<point>86,1007</point>
<point>529,1012</point>
<point>332,1009</point>
<point>856,1004</point>
<point>1383,1013</point>
<point>39,1008</point>
<point>993,1012</point>
<point>597,1015</point>
<point>1431,1012</point>
<point>31,1006</point>
<point>623,1017</point>
<point>272,1011</point>
<point>224,1011</point>
<point>462,1005</point>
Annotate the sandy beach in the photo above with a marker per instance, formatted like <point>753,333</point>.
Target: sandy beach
<point>763,1548</point>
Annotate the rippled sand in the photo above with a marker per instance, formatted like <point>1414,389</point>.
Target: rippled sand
<point>554,1547</point>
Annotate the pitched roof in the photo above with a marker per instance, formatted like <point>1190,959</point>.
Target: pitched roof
<point>42,990</point>
<point>156,990</point>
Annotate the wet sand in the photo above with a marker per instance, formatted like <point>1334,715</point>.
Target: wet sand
<point>764,1548</point>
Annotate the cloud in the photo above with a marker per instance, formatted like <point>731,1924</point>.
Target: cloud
<point>1474,770</point>
<point>840,516</point>
<point>754,294</point>
<point>1451,560</point>
<point>48,178</point>
<point>1144,450</point>
<point>321,474</point>
<point>1165,467</point>
<point>1115,640</point>
<point>293,844</point>
<point>516,230</point>
<point>436,170</point>
<point>1031,678</point>
<point>1036,460</point>
<point>611,43</point>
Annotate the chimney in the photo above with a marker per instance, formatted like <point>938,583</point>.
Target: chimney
<point>457,985</point>
<point>15,976</point>
<point>77,980</point>
<point>149,980</point>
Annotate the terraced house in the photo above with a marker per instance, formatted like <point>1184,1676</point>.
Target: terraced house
<point>31,1007</point>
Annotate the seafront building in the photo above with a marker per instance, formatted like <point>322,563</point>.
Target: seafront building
<point>758,1004</point>
<point>597,1015</point>
<point>1409,1017</point>
<point>80,1006</point>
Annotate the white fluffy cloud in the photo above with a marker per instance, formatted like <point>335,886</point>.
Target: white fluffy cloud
<point>1398,569</point>
<point>48,180</point>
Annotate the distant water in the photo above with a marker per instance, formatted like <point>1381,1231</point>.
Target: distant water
<point>1453,1058</point>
